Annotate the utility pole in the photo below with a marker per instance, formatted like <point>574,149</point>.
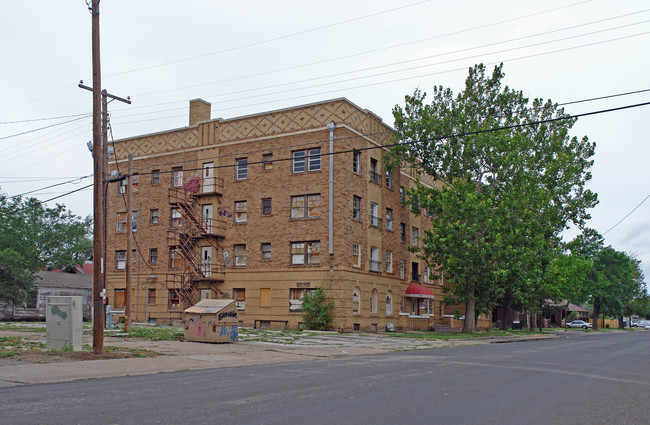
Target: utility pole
<point>100,131</point>
<point>98,205</point>
<point>129,235</point>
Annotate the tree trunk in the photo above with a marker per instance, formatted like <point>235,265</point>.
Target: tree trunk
<point>533,322</point>
<point>621,322</point>
<point>505,313</point>
<point>470,307</point>
<point>596,313</point>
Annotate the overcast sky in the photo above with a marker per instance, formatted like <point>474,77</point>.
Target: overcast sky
<point>253,56</point>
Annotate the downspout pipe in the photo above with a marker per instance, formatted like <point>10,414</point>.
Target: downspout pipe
<point>331,127</point>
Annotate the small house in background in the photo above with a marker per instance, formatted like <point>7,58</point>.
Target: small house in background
<point>211,321</point>
<point>54,283</point>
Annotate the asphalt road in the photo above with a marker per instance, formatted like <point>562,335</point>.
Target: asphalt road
<point>593,379</point>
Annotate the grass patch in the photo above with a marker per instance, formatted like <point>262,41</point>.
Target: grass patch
<point>23,326</point>
<point>156,333</point>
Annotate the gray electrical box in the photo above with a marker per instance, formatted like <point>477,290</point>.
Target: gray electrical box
<point>64,320</point>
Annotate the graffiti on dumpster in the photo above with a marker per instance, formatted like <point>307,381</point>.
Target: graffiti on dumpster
<point>232,332</point>
<point>197,329</point>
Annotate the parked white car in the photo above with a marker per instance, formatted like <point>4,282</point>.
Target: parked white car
<point>579,324</point>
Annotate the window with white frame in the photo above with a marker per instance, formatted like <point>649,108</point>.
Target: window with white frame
<point>155,177</point>
<point>375,264</point>
<point>153,216</point>
<point>241,211</point>
<point>121,186</point>
<point>176,220</point>
<point>356,299</point>
<point>120,260</point>
<point>375,177</point>
<point>389,219</point>
<point>121,222</point>
<point>305,206</point>
<point>174,259</point>
<point>402,195</point>
<point>306,160</point>
<point>134,221</point>
<point>428,274</point>
<point>356,255</point>
<point>240,255</point>
<point>374,214</point>
<point>356,162</point>
<point>296,296</point>
<point>389,261</point>
<point>402,270</point>
<point>307,252</point>
<point>153,256</point>
<point>356,208</point>
<point>389,303</point>
<point>415,236</point>
<point>389,179</point>
<point>266,251</point>
<point>241,168</point>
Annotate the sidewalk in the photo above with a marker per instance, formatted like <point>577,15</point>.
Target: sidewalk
<point>179,355</point>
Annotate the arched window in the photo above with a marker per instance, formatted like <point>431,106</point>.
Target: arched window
<point>373,301</point>
<point>356,296</point>
<point>389,304</point>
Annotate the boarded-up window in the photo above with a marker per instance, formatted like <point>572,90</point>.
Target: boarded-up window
<point>151,296</point>
<point>265,297</point>
<point>239,295</point>
<point>241,208</point>
<point>174,300</point>
<point>121,222</point>
<point>119,299</point>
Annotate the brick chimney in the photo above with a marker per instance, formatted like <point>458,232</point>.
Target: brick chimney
<point>199,111</point>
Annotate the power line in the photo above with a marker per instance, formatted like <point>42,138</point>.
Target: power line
<point>44,119</point>
<point>627,215</point>
<point>43,128</point>
<point>77,180</point>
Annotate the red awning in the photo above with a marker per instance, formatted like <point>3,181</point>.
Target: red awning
<point>418,291</point>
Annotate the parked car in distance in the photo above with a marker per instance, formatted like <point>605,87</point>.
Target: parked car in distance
<point>642,324</point>
<point>579,324</point>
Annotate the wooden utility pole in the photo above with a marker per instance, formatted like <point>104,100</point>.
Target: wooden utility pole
<point>129,235</point>
<point>98,204</point>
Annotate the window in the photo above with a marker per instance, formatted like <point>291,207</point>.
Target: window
<point>374,214</point>
<point>121,222</point>
<point>240,255</point>
<point>119,299</point>
<point>151,296</point>
<point>153,255</point>
<point>239,295</point>
<point>389,261</point>
<point>415,272</point>
<point>176,218</point>
<point>402,195</point>
<point>121,186</point>
<point>174,301</point>
<point>373,301</point>
<point>375,177</point>
<point>389,219</point>
<point>415,236</point>
<point>375,264</point>
<point>356,162</point>
<point>241,169</point>
<point>356,255</point>
<point>120,260</point>
<point>241,208</point>
<point>135,182</point>
<point>177,177</point>
<point>402,232</point>
<point>266,206</point>
<point>402,270</point>
<point>309,158</point>
<point>305,252</point>
<point>296,296</point>
<point>305,206</point>
<point>389,179</point>
<point>356,297</point>
<point>266,251</point>
<point>356,208</point>
<point>389,304</point>
<point>267,162</point>
<point>134,221</point>
<point>265,297</point>
<point>153,216</point>
<point>174,259</point>
<point>155,179</point>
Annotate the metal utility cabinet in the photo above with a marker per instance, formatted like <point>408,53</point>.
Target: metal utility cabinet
<point>64,323</point>
<point>211,321</point>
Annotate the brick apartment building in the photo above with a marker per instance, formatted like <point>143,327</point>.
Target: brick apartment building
<point>245,209</point>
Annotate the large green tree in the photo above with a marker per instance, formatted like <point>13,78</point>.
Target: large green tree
<point>33,237</point>
<point>612,281</point>
<point>504,178</point>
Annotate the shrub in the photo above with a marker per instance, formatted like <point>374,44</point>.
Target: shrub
<point>317,310</point>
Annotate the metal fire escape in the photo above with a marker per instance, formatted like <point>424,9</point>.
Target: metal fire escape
<point>200,233</point>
